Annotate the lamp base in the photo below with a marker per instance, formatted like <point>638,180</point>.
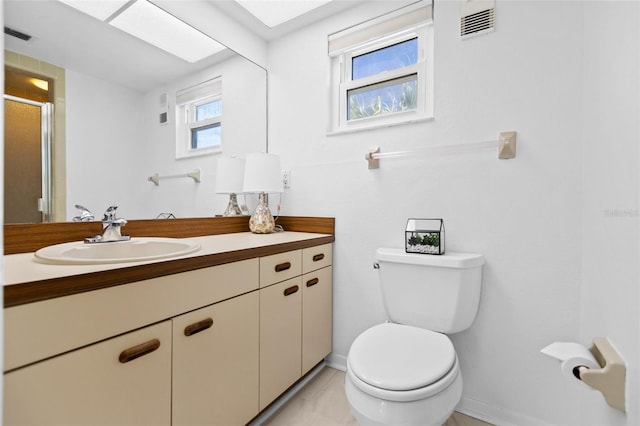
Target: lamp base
<point>232,208</point>
<point>261,221</point>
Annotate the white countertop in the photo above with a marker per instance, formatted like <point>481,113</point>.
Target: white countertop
<point>22,268</point>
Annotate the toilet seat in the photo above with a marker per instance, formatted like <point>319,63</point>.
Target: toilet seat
<point>402,363</point>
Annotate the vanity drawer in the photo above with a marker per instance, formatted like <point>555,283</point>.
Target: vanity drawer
<point>314,258</point>
<point>280,267</point>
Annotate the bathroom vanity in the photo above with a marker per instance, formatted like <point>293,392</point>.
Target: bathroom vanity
<point>213,337</point>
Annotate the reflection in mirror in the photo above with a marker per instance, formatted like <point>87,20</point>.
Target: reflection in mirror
<point>115,113</point>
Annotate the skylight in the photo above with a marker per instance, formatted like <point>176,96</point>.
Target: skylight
<point>152,24</point>
<point>274,13</point>
<point>100,9</point>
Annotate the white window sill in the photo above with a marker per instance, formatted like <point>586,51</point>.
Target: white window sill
<point>192,154</point>
<point>377,126</point>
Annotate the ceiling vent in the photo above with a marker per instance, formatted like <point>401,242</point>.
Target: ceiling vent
<point>17,34</point>
<point>478,17</point>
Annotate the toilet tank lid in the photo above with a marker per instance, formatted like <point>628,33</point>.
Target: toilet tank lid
<point>447,260</point>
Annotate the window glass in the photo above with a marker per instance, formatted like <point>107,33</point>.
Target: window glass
<point>384,98</point>
<point>206,136</point>
<point>209,110</point>
<point>386,59</point>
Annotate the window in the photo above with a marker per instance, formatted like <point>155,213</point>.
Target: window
<point>386,97</point>
<point>199,120</point>
<point>206,128</point>
<point>381,72</point>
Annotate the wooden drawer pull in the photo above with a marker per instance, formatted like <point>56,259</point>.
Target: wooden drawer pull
<point>197,327</point>
<point>318,257</point>
<point>291,290</point>
<point>139,350</point>
<point>283,266</point>
<point>312,282</point>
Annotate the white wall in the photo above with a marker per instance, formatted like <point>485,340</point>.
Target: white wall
<point>104,130</point>
<point>610,276</point>
<point>525,215</point>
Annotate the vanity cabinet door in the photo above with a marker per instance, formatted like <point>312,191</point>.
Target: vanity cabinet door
<point>316,317</point>
<point>125,380</point>
<point>280,338</point>
<point>215,363</point>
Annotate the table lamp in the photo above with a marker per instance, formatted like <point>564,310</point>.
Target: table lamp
<point>262,175</point>
<point>229,178</point>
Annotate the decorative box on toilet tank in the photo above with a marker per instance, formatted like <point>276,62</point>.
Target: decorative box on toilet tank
<point>424,236</point>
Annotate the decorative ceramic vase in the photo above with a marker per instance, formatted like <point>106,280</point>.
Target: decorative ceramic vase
<point>261,221</point>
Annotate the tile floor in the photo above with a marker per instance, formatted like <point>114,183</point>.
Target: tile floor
<point>322,402</point>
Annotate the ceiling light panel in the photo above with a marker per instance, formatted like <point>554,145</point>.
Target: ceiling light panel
<point>100,9</point>
<point>155,26</point>
<point>273,13</point>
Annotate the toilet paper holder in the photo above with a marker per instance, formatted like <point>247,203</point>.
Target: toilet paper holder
<point>600,367</point>
<point>610,379</point>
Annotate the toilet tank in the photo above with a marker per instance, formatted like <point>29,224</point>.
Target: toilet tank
<point>436,292</point>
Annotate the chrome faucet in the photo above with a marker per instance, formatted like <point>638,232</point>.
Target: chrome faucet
<point>111,228</point>
<point>85,214</point>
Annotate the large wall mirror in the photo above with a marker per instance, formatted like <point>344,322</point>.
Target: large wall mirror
<point>109,91</point>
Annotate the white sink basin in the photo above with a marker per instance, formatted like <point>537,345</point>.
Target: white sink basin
<point>134,250</point>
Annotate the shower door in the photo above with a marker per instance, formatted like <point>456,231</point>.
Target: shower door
<point>27,159</point>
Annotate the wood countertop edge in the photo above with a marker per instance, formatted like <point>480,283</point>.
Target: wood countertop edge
<point>35,291</point>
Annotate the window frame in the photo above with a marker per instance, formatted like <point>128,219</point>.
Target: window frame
<point>193,125</point>
<point>342,84</point>
<point>186,122</point>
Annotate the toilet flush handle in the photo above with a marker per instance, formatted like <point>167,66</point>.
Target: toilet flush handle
<point>376,265</point>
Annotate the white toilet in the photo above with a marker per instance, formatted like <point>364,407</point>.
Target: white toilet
<point>405,371</point>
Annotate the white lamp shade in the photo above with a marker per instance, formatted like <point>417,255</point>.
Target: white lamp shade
<point>262,173</point>
<point>230,175</point>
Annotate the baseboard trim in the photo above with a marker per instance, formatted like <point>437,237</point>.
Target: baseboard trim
<point>494,415</point>
<point>339,362</point>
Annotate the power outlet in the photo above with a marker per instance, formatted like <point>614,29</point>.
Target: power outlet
<point>286,178</point>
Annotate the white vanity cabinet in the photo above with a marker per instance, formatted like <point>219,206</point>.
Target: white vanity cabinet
<point>125,380</point>
<point>295,317</point>
<point>214,345</point>
<point>215,363</point>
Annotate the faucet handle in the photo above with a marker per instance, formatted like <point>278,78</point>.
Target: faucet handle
<point>110,214</point>
<point>85,214</point>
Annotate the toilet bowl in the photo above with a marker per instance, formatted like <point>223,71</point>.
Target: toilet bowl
<point>405,372</point>
<point>402,375</point>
